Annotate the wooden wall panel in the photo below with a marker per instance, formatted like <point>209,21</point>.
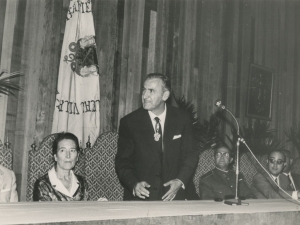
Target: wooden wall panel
<point>246,37</point>
<point>2,21</point>
<point>106,29</point>
<point>289,79</point>
<point>296,84</point>
<point>161,35</point>
<point>282,67</point>
<point>131,59</point>
<point>274,63</point>
<point>204,59</point>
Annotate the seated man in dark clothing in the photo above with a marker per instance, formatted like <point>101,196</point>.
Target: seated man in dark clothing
<point>294,178</point>
<point>266,186</point>
<point>220,182</point>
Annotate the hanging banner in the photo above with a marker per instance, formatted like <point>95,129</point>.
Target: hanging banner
<point>77,105</point>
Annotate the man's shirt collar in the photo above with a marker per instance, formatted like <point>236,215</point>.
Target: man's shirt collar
<point>224,171</point>
<point>287,174</point>
<point>162,116</point>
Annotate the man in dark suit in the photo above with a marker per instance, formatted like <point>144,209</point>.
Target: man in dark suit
<point>266,186</point>
<point>293,178</point>
<point>157,155</point>
<point>221,182</point>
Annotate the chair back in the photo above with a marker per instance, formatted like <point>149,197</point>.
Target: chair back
<point>41,160</point>
<point>296,166</point>
<point>206,163</point>
<point>100,169</point>
<point>6,155</point>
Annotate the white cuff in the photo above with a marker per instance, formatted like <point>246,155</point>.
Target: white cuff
<point>295,195</point>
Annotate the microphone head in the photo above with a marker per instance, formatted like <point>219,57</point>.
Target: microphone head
<point>218,103</point>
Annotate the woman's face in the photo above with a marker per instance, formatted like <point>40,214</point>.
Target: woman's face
<point>67,154</point>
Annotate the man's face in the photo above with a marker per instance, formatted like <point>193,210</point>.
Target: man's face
<point>276,163</point>
<point>223,158</point>
<point>154,96</point>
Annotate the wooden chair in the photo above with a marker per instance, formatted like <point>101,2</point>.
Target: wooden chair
<point>6,155</point>
<point>100,169</point>
<point>41,160</point>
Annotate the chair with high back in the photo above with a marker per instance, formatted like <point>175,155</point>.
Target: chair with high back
<point>100,169</point>
<point>41,160</point>
<point>205,164</point>
<point>6,156</point>
<point>296,166</point>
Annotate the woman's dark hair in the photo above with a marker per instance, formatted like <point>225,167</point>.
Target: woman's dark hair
<point>63,136</point>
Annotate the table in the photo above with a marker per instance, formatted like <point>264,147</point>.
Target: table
<point>273,212</point>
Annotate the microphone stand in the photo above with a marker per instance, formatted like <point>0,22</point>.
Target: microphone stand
<point>236,200</point>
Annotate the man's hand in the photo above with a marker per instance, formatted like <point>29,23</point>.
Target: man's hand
<point>175,185</point>
<point>140,189</point>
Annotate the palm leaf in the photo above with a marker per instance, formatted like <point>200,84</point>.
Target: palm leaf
<point>6,86</point>
<point>187,106</point>
<point>259,137</point>
<point>207,131</point>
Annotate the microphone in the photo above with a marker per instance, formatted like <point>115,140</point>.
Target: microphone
<point>237,200</point>
<point>218,103</point>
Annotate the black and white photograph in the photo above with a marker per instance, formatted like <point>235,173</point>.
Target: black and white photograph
<point>172,112</point>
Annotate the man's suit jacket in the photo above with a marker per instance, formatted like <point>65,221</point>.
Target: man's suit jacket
<point>296,179</point>
<point>264,187</point>
<point>138,158</point>
<point>219,184</point>
<point>8,192</point>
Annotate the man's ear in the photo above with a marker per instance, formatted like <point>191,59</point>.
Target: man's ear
<point>231,159</point>
<point>166,95</point>
<point>284,165</point>
<point>55,157</point>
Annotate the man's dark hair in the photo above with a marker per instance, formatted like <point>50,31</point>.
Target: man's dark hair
<point>165,80</point>
<point>223,145</point>
<point>279,151</point>
<point>63,136</point>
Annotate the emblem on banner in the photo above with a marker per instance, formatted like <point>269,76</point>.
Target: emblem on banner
<point>83,57</point>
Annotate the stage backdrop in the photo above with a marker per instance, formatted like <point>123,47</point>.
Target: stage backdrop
<point>77,105</point>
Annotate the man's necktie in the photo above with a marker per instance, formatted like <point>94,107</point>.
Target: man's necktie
<point>158,132</point>
<point>276,181</point>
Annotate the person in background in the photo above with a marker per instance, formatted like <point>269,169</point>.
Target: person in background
<point>294,179</point>
<point>220,183</point>
<point>157,154</point>
<point>266,186</point>
<point>8,186</point>
<point>61,183</point>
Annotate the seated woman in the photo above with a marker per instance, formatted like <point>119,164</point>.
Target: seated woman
<point>60,183</point>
